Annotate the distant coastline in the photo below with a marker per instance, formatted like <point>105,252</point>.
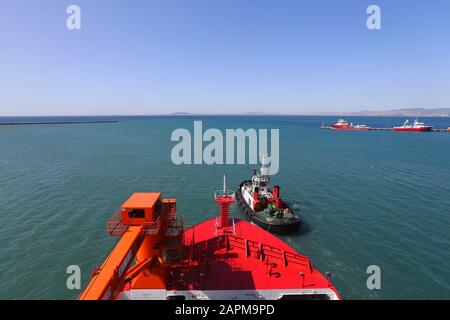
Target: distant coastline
<point>406,112</point>
<point>55,122</point>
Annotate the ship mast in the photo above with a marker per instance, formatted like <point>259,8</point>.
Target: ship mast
<point>224,184</point>
<point>224,199</point>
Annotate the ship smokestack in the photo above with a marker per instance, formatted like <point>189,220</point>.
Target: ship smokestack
<point>276,195</point>
<point>276,192</point>
<point>256,199</point>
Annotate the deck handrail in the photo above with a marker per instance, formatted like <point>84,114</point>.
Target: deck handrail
<point>114,225</point>
<point>252,247</point>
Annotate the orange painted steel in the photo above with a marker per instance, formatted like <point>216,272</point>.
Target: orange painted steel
<point>139,236</point>
<point>109,279</point>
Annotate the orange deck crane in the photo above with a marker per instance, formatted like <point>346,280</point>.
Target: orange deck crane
<point>143,221</point>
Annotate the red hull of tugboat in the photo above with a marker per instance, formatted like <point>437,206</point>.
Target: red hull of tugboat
<point>343,124</point>
<point>423,129</point>
<point>334,127</point>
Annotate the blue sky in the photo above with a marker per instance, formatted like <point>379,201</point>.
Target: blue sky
<point>214,56</point>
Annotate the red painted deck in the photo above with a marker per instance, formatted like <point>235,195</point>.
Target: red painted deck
<point>236,262</point>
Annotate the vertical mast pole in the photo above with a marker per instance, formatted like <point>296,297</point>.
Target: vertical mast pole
<point>224,184</point>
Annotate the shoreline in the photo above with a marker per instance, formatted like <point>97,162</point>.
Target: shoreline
<point>56,122</point>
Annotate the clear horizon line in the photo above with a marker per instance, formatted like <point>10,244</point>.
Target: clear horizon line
<point>242,114</point>
<point>251,113</point>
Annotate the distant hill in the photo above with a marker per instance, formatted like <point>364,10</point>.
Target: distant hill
<point>180,114</point>
<point>252,113</point>
<point>407,112</point>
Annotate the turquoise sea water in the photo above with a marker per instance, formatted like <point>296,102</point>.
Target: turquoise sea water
<point>368,198</point>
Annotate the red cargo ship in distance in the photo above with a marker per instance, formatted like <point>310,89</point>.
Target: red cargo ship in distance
<point>417,126</point>
<point>343,124</point>
<point>158,258</point>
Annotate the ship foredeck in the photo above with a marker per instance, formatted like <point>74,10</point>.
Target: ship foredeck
<point>250,263</point>
<point>158,257</point>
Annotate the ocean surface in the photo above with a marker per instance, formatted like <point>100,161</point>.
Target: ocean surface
<point>367,198</point>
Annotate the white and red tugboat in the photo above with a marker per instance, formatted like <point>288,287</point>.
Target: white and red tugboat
<point>417,126</point>
<point>158,258</point>
<point>343,124</point>
<point>264,206</point>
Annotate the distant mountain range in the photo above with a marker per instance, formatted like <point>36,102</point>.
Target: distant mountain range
<point>253,113</point>
<point>407,112</point>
